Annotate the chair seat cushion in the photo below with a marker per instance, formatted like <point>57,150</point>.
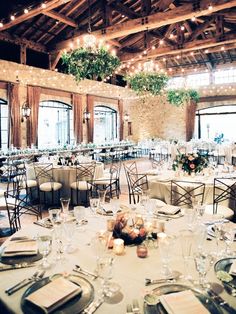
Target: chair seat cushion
<point>222,211</point>
<point>80,185</point>
<point>50,186</point>
<point>104,181</point>
<point>29,184</point>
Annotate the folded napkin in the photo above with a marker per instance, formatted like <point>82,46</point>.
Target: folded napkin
<point>169,210</point>
<point>232,270</point>
<point>21,248</point>
<point>54,294</point>
<point>212,222</point>
<point>183,302</point>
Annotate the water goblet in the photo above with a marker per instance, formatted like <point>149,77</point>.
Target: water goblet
<point>65,202</point>
<point>54,214</point>
<point>94,204</point>
<point>186,240</point>
<point>45,246</point>
<point>102,197</point>
<point>69,226</point>
<point>203,262</point>
<point>190,215</point>
<point>166,250</point>
<point>79,214</point>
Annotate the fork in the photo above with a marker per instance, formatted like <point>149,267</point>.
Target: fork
<point>35,277</point>
<point>85,272</point>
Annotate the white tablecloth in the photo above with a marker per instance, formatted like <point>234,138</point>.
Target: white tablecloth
<point>129,270</point>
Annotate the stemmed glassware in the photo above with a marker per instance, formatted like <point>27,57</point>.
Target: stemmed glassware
<point>94,204</point>
<point>65,202</point>
<point>218,236</point>
<point>45,246</point>
<point>228,233</point>
<point>54,215</point>
<point>203,262</point>
<point>79,213</point>
<point>69,226</point>
<point>186,240</point>
<point>166,250</point>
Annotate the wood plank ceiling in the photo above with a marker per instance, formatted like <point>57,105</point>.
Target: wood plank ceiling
<point>180,35</point>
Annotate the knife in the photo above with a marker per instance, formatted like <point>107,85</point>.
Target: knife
<point>16,266</point>
<point>221,301</point>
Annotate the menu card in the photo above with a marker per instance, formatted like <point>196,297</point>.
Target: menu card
<point>183,302</point>
<point>21,248</point>
<point>54,294</point>
<point>169,210</point>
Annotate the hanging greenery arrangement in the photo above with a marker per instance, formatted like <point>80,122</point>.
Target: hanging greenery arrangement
<point>178,97</point>
<point>86,63</point>
<point>147,82</point>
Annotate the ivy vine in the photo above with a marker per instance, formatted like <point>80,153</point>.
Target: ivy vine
<point>144,82</point>
<point>178,97</point>
<point>85,63</point>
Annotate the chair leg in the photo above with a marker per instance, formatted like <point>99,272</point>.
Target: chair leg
<point>71,196</point>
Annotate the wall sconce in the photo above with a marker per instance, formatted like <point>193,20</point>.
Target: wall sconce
<point>86,116</point>
<point>126,117</point>
<point>25,111</point>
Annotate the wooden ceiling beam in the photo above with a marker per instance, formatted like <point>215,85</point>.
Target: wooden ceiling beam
<point>189,46</point>
<point>61,18</point>
<point>156,20</point>
<point>119,7</point>
<point>35,11</point>
<point>22,41</point>
<point>201,28</point>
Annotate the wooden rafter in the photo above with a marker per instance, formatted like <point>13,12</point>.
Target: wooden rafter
<point>156,20</point>
<point>201,28</point>
<point>61,18</point>
<point>189,46</point>
<point>36,11</point>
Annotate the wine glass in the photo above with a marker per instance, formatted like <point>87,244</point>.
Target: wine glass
<point>45,246</point>
<point>58,236</point>
<point>65,202</point>
<point>228,234</point>
<point>166,250</point>
<point>79,214</point>
<point>102,197</point>
<point>186,240</point>
<point>203,262</point>
<point>218,236</point>
<point>69,226</point>
<point>54,215</point>
<point>190,215</point>
<point>94,204</point>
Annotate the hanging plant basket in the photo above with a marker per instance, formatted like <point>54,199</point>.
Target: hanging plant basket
<point>178,97</point>
<point>86,63</point>
<point>145,82</point>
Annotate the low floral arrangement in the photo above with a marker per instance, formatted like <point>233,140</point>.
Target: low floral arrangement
<point>134,234</point>
<point>190,163</point>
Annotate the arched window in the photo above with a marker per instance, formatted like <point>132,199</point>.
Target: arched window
<point>55,126</point>
<point>216,121</point>
<point>4,125</point>
<point>105,124</point>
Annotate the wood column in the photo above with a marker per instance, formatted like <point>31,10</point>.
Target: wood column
<point>190,119</point>
<point>90,122</point>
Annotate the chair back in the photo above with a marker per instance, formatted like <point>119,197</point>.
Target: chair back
<point>137,183</point>
<point>224,189</point>
<point>183,193</point>
<point>43,172</point>
<point>85,172</point>
<point>115,170</point>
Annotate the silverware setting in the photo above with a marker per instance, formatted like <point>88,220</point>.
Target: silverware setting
<point>174,276</point>
<point>94,306</point>
<point>133,308</point>
<point>220,301</point>
<point>35,277</point>
<point>78,269</point>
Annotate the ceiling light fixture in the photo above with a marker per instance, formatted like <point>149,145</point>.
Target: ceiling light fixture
<point>26,11</point>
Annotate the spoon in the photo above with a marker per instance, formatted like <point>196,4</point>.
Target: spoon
<point>174,275</point>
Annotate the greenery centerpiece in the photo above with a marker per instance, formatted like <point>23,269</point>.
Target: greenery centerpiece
<point>190,163</point>
<point>90,63</point>
<point>178,97</point>
<point>147,82</point>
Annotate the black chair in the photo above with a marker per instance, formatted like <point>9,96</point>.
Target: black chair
<point>84,181</point>
<point>111,181</point>
<point>184,192</point>
<point>45,181</point>
<point>137,183</point>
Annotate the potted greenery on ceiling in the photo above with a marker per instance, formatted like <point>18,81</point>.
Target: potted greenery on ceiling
<point>147,82</point>
<point>178,97</point>
<point>86,63</point>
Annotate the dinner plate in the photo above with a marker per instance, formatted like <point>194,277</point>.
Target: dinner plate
<point>11,260</point>
<point>75,305</point>
<point>211,231</point>
<point>209,304</point>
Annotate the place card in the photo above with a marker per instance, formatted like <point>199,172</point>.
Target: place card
<point>184,302</point>
<point>54,294</point>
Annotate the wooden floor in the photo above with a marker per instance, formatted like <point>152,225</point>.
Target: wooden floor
<point>142,163</point>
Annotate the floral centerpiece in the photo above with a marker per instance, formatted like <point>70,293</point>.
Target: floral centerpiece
<point>190,163</point>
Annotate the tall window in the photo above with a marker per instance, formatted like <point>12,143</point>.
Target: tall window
<point>105,124</point>
<point>3,124</point>
<point>215,121</point>
<point>55,124</point>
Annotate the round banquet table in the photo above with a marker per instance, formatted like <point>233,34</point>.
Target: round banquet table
<point>66,175</point>
<point>129,270</point>
<point>160,184</point>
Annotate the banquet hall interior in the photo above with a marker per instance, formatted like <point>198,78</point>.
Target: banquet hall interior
<point>118,156</point>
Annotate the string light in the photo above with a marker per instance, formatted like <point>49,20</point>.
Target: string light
<point>222,48</point>
<point>193,19</point>
<point>43,5</point>
<point>210,7</point>
<point>1,24</point>
<point>161,42</point>
<point>171,36</point>
<point>12,17</point>
<point>182,28</point>
<point>26,11</point>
